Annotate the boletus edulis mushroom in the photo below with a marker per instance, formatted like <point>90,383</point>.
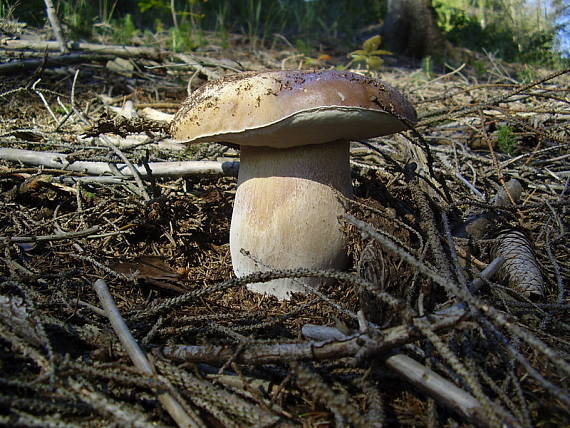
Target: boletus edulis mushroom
<point>293,129</point>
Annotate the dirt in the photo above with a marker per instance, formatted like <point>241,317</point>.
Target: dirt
<point>166,261</point>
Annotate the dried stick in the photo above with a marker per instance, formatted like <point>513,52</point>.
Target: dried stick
<point>54,237</point>
<point>56,26</point>
<point>67,59</point>
<point>493,101</point>
<point>444,392</point>
<point>173,407</point>
<point>426,380</point>
<point>339,347</point>
<point>96,49</point>
<point>158,169</point>
<point>39,94</point>
<point>134,171</point>
<point>78,112</point>
<point>496,316</point>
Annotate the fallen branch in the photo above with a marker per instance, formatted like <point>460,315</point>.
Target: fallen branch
<point>134,171</point>
<point>32,64</point>
<point>112,50</point>
<point>55,25</point>
<point>349,346</point>
<point>426,380</point>
<point>158,169</point>
<point>139,359</point>
<point>445,392</point>
<point>54,237</point>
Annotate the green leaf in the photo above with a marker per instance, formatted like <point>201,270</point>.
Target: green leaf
<point>374,62</point>
<point>380,52</point>
<point>360,58</point>
<point>372,43</point>
<point>359,52</point>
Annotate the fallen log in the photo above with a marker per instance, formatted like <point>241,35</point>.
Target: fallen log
<point>93,48</point>
<point>59,60</point>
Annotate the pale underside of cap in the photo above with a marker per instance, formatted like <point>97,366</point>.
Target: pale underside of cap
<point>292,108</point>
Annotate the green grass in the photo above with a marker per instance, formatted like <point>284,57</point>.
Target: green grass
<point>309,24</point>
<point>506,140</point>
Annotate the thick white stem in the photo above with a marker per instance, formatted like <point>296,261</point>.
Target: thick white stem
<point>286,212</point>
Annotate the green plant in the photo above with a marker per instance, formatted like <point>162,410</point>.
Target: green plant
<point>261,19</point>
<point>308,18</point>
<point>450,14</point>
<point>62,109</point>
<point>8,21</point>
<point>222,16</point>
<point>78,17</point>
<point>370,55</point>
<point>106,11</point>
<point>480,67</point>
<point>427,66</point>
<point>7,10</point>
<point>88,195</point>
<point>253,13</point>
<point>506,140</point>
<point>181,40</point>
<point>517,34</point>
<point>304,47</point>
<point>526,75</point>
<point>124,29</point>
<point>146,5</point>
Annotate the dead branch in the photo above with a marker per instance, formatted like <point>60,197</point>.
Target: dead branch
<point>423,378</point>
<point>444,392</point>
<point>52,61</point>
<point>93,48</point>
<point>55,25</point>
<point>134,171</point>
<point>158,169</point>
<point>349,346</point>
<point>178,412</point>
<point>54,237</point>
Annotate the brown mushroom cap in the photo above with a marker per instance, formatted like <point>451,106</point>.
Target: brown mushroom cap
<point>291,108</point>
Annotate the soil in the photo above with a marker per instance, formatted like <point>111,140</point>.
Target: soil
<point>422,226</point>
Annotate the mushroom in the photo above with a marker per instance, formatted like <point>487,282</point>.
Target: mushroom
<point>294,129</point>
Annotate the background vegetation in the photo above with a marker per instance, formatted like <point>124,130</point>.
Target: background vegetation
<point>515,30</point>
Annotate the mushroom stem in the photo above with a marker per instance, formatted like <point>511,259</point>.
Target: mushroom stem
<point>286,212</point>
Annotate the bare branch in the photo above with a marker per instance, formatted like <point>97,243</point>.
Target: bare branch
<point>158,169</point>
<point>178,413</point>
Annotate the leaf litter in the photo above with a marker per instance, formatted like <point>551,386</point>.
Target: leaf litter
<point>426,236</point>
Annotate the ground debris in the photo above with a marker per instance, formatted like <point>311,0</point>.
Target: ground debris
<point>425,222</point>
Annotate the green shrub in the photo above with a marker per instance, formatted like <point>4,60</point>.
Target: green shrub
<point>154,5</point>
<point>124,29</point>
<point>183,38</point>
<point>427,66</point>
<point>370,55</point>
<point>511,41</point>
<point>506,140</point>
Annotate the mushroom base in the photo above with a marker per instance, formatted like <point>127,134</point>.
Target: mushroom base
<point>286,213</point>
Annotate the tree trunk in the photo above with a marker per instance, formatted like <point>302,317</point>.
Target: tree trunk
<point>411,29</point>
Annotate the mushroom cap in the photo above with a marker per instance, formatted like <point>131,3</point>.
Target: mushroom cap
<point>291,108</point>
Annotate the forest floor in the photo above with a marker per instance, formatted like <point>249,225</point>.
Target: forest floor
<point>464,221</point>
